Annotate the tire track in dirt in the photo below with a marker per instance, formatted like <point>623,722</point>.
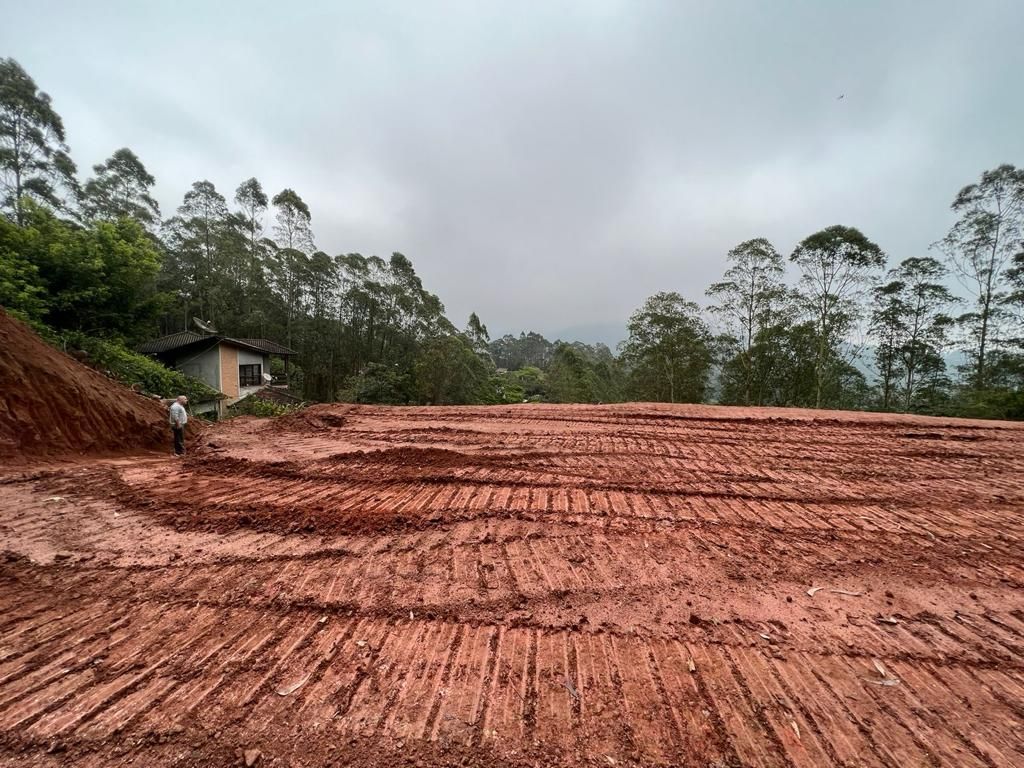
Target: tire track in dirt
<point>512,586</point>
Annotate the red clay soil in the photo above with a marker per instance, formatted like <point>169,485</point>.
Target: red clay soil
<point>523,586</point>
<point>52,405</point>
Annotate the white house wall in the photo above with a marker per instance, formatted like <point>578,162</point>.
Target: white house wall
<point>205,366</point>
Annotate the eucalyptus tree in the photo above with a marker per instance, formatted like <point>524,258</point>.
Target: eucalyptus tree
<point>751,298</point>
<point>477,334</point>
<point>121,188</point>
<point>290,259</point>
<point>837,266</point>
<point>34,159</point>
<point>979,247</point>
<point>194,240</point>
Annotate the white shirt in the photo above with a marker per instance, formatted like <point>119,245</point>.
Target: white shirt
<point>178,417</point>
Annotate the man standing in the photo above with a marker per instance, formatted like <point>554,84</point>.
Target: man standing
<point>179,418</point>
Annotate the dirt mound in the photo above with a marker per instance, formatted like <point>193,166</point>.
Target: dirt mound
<point>315,418</point>
<point>408,456</point>
<point>53,405</point>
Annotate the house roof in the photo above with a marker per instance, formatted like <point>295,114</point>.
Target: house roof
<point>264,346</point>
<point>167,343</point>
<point>187,338</point>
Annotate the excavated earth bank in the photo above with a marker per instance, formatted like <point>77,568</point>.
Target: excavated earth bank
<point>523,586</point>
<point>52,405</point>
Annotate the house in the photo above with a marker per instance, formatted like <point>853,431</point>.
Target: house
<point>235,367</point>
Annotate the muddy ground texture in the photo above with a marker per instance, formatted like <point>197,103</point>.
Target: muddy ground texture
<point>534,585</point>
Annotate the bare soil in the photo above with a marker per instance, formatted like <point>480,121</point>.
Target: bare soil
<point>52,405</point>
<point>522,586</point>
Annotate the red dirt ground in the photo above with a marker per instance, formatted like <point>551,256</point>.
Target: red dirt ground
<point>53,405</point>
<point>523,586</point>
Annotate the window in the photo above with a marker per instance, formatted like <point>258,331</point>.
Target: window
<point>250,375</point>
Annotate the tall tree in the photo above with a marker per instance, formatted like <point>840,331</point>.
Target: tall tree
<point>668,350</point>
<point>194,238</point>
<point>448,371</point>
<point>750,299</point>
<point>121,187</point>
<point>254,303</point>
<point>979,248</point>
<point>252,202</point>
<point>570,376</point>
<point>1014,300</point>
<point>837,265</point>
<point>292,228</point>
<point>927,324</point>
<point>34,160</point>
<point>290,259</point>
<point>889,330</point>
<point>319,341</point>
<point>477,334</point>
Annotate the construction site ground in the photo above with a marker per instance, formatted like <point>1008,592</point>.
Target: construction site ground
<point>526,585</point>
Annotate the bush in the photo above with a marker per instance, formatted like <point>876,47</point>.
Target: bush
<point>378,384</point>
<point>131,368</point>
<point>257,406</point>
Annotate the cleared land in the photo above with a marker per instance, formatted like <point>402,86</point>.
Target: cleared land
<point>529,585</point>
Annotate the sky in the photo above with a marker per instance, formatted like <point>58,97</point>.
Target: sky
<point>551,164</point>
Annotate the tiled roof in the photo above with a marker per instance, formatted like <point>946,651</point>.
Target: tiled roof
<point>185,338</point>
<point>167,343</point>
<point>264,346</point>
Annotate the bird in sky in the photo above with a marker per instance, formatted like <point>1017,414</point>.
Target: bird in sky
<point>841,96</point>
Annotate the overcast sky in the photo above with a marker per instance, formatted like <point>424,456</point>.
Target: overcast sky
<point>549,164</point>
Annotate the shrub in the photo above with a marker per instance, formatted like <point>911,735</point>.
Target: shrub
<point>131,368</point>
<point>256,406</point>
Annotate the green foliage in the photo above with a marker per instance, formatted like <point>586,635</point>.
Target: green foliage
<point>196,239</point>
<point>581,374</point>
<point>668,352</point>
<point>34,160</point>
<point>837,264</point>
<point>21,288</point>
<point>476,333</point>
<point>981,247</point>
<point>529,349</point>
<point>909,328</point>
<point>99,279</point>
<point>449,372</point>
<point>256,406</point>
<point>379,384</point>
<point>756,307</point>
<point>133,369</point>
<point>518,386</point>
<point>506,389</point>
<point>530,379</point>
<point>120,190</point>
<point>569,378</point>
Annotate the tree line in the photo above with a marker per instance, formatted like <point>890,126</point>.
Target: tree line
<point>98,258</point>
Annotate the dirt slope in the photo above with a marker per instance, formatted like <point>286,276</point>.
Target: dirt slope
<point>53,405</point>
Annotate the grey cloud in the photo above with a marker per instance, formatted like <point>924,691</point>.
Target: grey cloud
<point>549,165</point>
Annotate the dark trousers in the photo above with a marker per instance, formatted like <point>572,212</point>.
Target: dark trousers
<point>179,440</point>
